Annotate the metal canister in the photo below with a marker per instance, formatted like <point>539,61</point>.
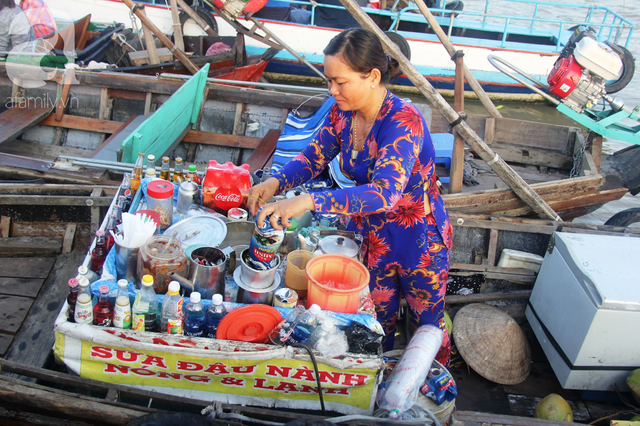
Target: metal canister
<point>264,245</point>
<point>187,194</point>
<point>285,298</point>
<point>236,213</point>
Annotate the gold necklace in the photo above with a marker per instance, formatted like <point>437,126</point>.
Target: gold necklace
<point>354,152</point>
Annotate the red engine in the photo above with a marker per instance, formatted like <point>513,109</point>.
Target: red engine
<point>564,76</point>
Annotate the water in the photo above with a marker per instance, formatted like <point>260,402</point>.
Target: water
<point>628,9</point>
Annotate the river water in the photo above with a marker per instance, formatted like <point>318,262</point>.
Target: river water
<point>628,9</point>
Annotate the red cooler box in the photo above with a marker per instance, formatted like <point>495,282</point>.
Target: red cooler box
<point>585,309</point>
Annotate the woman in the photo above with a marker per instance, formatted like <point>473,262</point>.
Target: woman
<point>14,27</point>
<point>386,149</point>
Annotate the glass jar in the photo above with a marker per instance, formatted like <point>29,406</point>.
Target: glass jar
<point>157,258</point>
<point>160,200</point>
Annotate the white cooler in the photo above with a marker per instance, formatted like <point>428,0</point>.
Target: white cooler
<point>585,309</point>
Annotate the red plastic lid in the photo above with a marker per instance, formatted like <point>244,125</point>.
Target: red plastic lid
<point>250,323</point>
<point>160,189</point>
<point>154,215</point>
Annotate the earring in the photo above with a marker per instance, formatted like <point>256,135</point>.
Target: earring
<point>373,86</point>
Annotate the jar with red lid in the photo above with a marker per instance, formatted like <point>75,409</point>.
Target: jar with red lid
<point>160,200</point>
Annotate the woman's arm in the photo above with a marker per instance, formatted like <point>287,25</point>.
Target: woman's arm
<point>400,138</point>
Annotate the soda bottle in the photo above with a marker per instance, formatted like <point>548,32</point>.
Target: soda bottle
<point>145,307</point>
<point>83,271</point>
<point>99,252</point>
<point>194,320</point>
<point>109,228</point>
<point>136,176</point>
<point>122,311</point>
<point>215,313</point>
<point>151,161</point>
<point>150,173</point>
<point>178,175</point>
<point>193,175</point>
<point>126,193</point>
<point>165,172</point>
<point>171,320</point>
<point>83,313</point>
<point>117,209</point>
<point>102,312</point>
<point>71,299</point>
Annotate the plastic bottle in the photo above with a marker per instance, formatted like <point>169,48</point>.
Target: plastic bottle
<point>99,252</point>
<point>178,175</point>
<point>215,313</point>
<point>136,176</point>
<point>122,311</point>
<point>171,320</point>
<point>401,387</point>
<point>296,327</point>
<point>103,312</point>
<point>145,307</point>
<point>307,324</point>
<point>83,313</point>
<point>71,299</point>
<point>83,271</point>
<point>193,175</point>
<point>194,318</point>
<point>165,172</point>
<point>126,192</point>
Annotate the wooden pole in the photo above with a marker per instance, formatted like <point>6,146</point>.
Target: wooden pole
<point>471,79</point>
<point>150,43</point>
<point>177,28</point>
<point>198,20</point>
<point>497,164</point>
<point>176,52</point>
<point>457,157</point>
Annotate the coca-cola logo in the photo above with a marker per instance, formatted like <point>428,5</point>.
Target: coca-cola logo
<point>227,198</point>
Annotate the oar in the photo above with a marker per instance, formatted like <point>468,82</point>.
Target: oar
<point>163,38</point>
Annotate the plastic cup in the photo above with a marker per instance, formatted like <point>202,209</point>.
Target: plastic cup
<point>296,277</point>
<point>327,270</point>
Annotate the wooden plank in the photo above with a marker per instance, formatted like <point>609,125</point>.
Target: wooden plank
<point>83,123</point>
<point>13,310</point>
<point>75,406</point>
<point>14,415</point>
<point>488,268</point>
<point>142,56</point>
<point>29,246</point>
<point>264,150</point>
<point>53,189</point>
<point>95,209</point>
<point>460,220</point>
<point>5,226</point>
<point>533,134</point>
<point>487,297</point>
<point>533,156</point>
<point>5,341</point>
<point>39,150</point>
<point>596,148</point>
<point>69,236</point>
<point>63,94</point>
<point>33,342</point>
<point>493,247</point>
<point>27,287</point>
<point>84,235</point>
<point>14,121</point>
<point>108,140</point>
<point>54,200</point>
<point>26,267</point>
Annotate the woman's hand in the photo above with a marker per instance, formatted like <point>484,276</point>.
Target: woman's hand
<point>285,210</point>
<point>261,193</point>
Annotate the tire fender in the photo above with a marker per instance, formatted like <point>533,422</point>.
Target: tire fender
<point>625,217</point>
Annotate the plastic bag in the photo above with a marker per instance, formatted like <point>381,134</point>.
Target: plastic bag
<point>363,340</point>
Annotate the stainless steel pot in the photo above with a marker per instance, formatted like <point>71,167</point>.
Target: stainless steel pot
<point>345,243</point>
<point>207,278</point>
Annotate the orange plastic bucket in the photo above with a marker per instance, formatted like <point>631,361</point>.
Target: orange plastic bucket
<point>335,282</point>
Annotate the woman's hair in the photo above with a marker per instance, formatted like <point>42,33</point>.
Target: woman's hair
<point>361,50</point>
<point>7,3</point>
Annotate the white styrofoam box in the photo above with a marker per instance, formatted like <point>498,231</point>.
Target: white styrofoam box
<point>599,58</point>
<point>585,309</point>
<point>510,258</point>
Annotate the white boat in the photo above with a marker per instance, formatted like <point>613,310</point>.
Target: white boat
<point>531,41</point>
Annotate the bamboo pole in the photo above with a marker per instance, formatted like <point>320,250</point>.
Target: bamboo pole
<point>497,164</point>
<point>471,79</point>
<point>176,52</point>
<point>177,28</point>
<point>197,19</point>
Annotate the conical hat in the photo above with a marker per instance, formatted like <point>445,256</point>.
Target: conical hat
<point>492,343</point>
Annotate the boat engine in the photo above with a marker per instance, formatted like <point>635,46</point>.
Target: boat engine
<point>587,70</point>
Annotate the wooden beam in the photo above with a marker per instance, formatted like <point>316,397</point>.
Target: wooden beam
<point>63,93</point>
<point>5,226</point>
<point>29,246</point>
<point>457,157</point>
<point>95,209</point>
<point>149,41</point>
<point>177,27</point>
<point>69,236</point>
<point>487,297</point>
<point>264,150</point>
<point>56,200</point>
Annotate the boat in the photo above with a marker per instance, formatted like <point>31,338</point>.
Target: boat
<point>530,40</point>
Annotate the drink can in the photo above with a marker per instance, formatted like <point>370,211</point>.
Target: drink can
<point>285,298</point>
<point>236,213</point>
<point>264,245</point>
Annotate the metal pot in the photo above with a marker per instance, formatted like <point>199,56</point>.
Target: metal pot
<point>207,279</point>
<point>337,242</point>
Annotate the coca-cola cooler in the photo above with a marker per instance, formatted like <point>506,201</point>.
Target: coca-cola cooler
<point>585,309</point>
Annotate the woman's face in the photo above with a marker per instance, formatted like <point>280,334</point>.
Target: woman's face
<point>350,89</point>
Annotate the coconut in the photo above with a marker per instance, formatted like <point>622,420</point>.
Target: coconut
<point>448,323</point>
<point>633,381</point>
<point>553,407</point>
